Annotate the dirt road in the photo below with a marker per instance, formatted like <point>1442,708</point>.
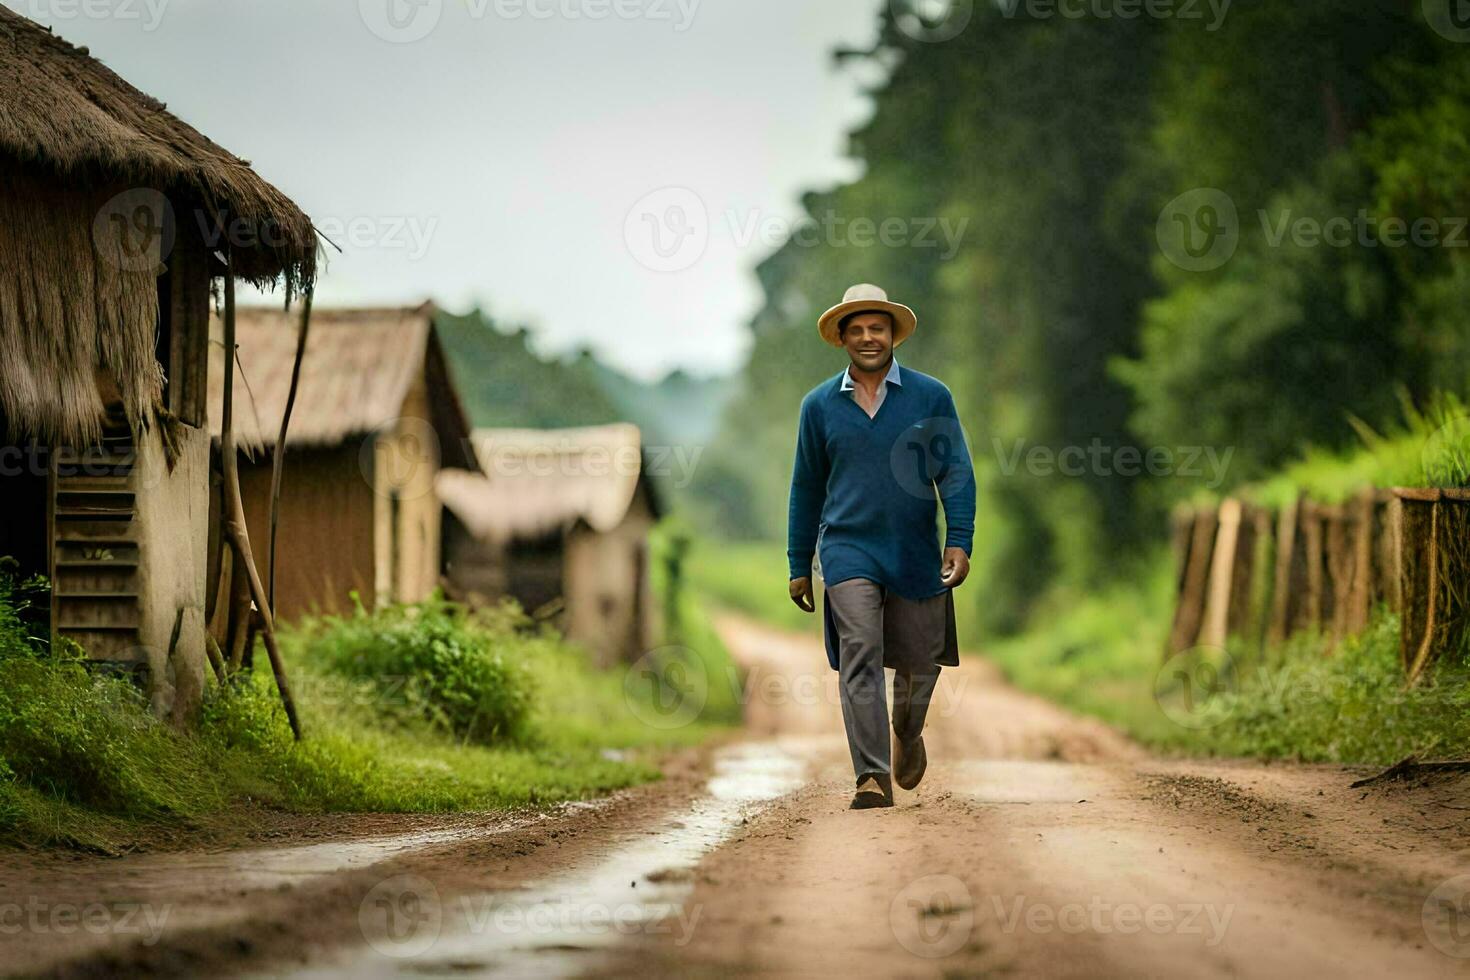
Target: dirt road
<point>1037,845</point>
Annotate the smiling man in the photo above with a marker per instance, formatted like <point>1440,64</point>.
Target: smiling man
<point>877,449</point>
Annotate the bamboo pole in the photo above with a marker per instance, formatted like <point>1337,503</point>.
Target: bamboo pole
<point>278,462</point>
<point>1431,596</point>
<point>238,621</point>
<point>1215,629</point>
<point>1360,596</point>
<point>1282,595</point>
<point>1310,518</point>
<point>1189,614</point>
<point>235,523</point>
<point>216,658</point>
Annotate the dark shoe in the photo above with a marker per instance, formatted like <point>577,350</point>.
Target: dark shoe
<point>873,790</point>
<point>909,762</point>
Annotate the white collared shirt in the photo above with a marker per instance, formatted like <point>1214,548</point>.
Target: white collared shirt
<point>894,376</point>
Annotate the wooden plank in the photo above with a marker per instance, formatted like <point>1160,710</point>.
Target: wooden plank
<point>1216,627</point>
<point>1283,593</point>
<point>1360,594</point>
<point>1189,613</point>
<point>1313,605</point>
<point>1262,571</point>
<point>1419,583</point>
<point>1387,528</point>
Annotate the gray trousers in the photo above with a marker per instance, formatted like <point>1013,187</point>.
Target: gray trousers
<point>878,627</point>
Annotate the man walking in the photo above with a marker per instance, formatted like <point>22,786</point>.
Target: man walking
<point>876,450</point>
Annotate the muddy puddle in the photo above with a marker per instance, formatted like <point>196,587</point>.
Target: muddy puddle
<point>559,926</point>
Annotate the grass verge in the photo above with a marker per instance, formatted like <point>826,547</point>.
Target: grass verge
<point>1102,655</point>
<point>409,709</point>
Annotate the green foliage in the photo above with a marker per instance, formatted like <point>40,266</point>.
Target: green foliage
<point>1426,449</point>
<point>692,644</point>
<point>1056,318</point>
<point>489,714</point>
<point>23,622</point>
<point>1351,706</point>
<point>72,740</point>
<point>1100,655</point>
<point>1097,652</point>
<point>750,577</point>
<point>503,382</point>
<point>91,741</point>
<point>435,662</point>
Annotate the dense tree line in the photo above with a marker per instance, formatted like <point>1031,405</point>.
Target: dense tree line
<point>1311,266</point>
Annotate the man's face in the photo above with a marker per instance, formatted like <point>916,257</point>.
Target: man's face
<point>868,338</point>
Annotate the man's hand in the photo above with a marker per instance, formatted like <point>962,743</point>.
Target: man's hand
<point>801,594</point>
<point>956,567</point>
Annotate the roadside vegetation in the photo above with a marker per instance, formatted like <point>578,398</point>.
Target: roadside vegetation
<point>1072,317</point>
<point>1101,654</point>
<point>410,709</point>
<point>748,577</point>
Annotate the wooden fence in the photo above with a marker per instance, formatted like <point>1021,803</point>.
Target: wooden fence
<point>1260,576</point>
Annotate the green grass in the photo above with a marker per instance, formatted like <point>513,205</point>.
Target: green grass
<point>693,648</point>
<point>446,712</point>
<point>1428,449</point>
<point>1102,655</point>
<point>750,577</point>
<point>1097,653</point>
<point>1351,706</point>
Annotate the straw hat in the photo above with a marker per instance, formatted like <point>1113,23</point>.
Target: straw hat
<point>867,298</point>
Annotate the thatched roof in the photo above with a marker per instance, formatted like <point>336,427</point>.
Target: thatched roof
<point>539,481</point>
<point>76,317</point>
<point>359,367</point>
<point>64,112</point>
<point>78,295</point>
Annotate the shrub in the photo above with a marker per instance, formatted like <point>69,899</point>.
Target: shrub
<point>19,632</point>
<point>431,661</point>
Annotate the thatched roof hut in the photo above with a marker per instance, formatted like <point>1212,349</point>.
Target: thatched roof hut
<point>560,515</point>
<point>376,417</point>
<point>75,303</point>
<point>543,481</point>
<point>115,218</point>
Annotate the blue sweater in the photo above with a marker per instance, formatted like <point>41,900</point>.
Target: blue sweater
<point>865,491</point>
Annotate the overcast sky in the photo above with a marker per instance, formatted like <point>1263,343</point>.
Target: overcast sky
<point>507,156</point>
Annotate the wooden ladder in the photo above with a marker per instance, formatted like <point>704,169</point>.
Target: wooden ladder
<point>96,581</point>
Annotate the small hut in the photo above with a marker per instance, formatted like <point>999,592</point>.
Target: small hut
<point>114,217</point>
<point>376,415</point>
<point>559,521</point>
